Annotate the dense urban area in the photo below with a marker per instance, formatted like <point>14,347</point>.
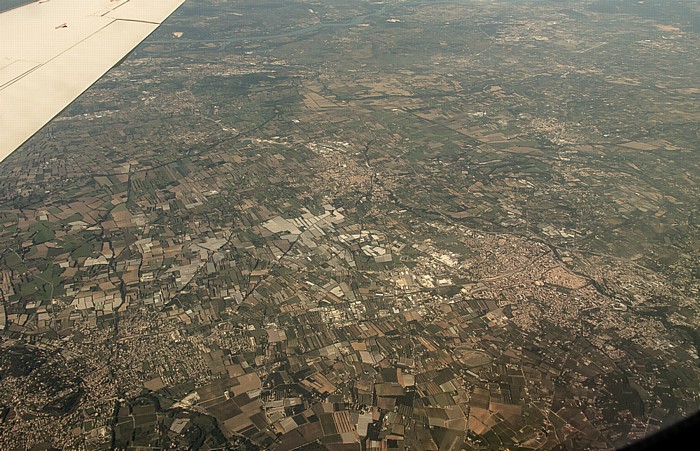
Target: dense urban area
<point>363,225</point>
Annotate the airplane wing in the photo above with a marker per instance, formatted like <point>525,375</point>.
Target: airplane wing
<point>51,51</point>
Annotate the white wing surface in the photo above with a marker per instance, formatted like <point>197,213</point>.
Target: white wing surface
<point>53,50</point>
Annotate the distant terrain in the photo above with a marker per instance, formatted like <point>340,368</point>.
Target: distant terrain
<point>359,225</point>
<point>9,4</point>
